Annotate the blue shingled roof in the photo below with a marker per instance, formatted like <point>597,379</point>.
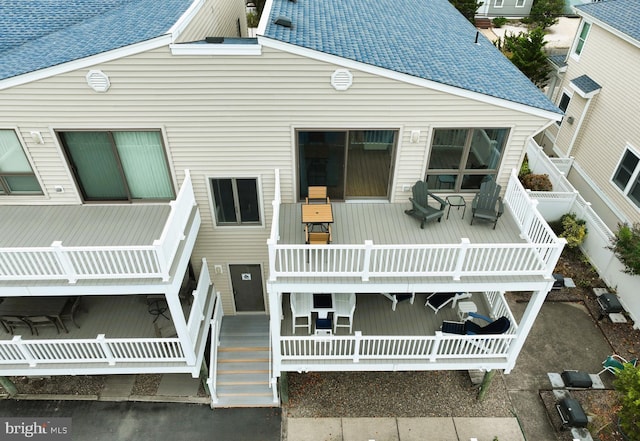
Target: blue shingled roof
<point>427,39</point>
<point>623,15</point>
<point>586,84</point>
<point>37,34</point>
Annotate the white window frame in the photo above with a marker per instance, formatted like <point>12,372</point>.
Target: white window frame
<point>562,94</point>
<point>7,191</point>
<point>521,3</point>
<point>239,225</point>
<point>579,41</point>
<point>498,3</point>
<point>634,179</point>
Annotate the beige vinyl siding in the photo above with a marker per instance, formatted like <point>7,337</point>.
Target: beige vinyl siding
<point>217,18</point>
<point>613,115</point>
<point>567,131</point>
<point>233,116</point>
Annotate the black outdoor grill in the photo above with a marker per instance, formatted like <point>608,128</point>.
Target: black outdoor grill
<point>576,379</point>
<point>571,413</point>
<point>609,304</point>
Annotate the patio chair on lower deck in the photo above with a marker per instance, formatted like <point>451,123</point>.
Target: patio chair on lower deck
<point>498,326</point>
<point>439,300</point>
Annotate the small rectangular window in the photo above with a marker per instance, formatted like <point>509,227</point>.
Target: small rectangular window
<point>16,175</point>
<point>520,3</point>
<point>498,3</point>
<point>627,176</point>
<point>236,201</point>
<point>582,38</point>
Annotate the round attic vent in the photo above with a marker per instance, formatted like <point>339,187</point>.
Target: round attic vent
<point>98,80</point>
<point>341,79</point>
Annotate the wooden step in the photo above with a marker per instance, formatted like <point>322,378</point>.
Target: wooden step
<point>244,390</point>
<point>243,349</point>
<point>229,379</point>
<point>243,357</point>
<point>483,22</point>
<point>243,368</point>
<point>246,402</point>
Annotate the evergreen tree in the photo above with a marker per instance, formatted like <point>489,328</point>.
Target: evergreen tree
<point>525,50</point>
<point>468,8</point>
<point>544,13</point>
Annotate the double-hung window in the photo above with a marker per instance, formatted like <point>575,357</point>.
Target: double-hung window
<point>627,176</point>
<point>582,38</point>
<point>498,3</point>
<point>520,3</point>
<point>235,201</point>
<point>16,175</point>
<point>118,165</point>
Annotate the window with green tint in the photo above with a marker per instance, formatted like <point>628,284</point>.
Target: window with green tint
<point>235,201</point>
<point>582,38</point>
<point>16,175</point>
<point>118,165</point>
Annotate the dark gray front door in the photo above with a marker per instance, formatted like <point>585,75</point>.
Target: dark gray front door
<point>247,287</point>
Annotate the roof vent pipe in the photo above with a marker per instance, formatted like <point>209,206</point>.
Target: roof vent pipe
<point>283,21</point>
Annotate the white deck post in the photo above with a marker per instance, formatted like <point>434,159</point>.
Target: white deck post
<point>271,248</point>
<point>105,348</point>
<point>528,318</point>
<point>65,262</point>
<point>356,346</point>
<point>464,246</point>
<point>18,342</point>
<point>436,347</point>
<point>274,324</point>
<point>366,265</point>
<point>180,324</point>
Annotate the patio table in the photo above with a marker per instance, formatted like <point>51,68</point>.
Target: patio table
<point>35,307</point>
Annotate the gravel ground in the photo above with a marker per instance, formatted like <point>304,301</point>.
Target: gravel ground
<point>393,394</point>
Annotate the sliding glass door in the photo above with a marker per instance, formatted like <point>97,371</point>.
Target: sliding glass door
<point>352,164</point>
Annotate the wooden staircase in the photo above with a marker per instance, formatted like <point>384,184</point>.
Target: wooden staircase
<point>243,362</point>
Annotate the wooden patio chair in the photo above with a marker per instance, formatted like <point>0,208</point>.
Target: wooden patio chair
<point>317,195</point>
<point>317,237</point>
<point>487,204</point>
<point>420,204</point>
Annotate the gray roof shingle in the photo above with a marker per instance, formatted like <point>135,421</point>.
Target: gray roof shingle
<point>585,84</point>
<point>428,39</point>
<point>43,33</point>
<point>623,15</point>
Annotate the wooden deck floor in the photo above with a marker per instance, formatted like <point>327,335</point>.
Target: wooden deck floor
<point>115,316</point>
<point>82,225</point>
<point>386,223</point>
<point>374,316</point>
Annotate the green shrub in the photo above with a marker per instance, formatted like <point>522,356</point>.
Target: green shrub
<point>524,168</point>
<point>252,20</point>
<point>573,229</point>
<point>626,246</point>
<point>627,383</point>
<point>498,22</point>
<point>535,182</point>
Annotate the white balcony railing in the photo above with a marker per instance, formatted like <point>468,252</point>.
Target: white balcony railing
<point>59,262</point>
<point>537,256</point>
<point>358,347</point>
<point>98,350</point>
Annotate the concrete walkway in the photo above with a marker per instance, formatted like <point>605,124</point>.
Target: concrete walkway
<point>401,429</point>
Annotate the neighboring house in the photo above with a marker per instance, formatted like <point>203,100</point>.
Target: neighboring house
<point>598,87</point>
<point>98,202</point>
<point>505,8</point>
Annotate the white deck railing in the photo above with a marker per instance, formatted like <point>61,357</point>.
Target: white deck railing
<point>59,262</point>
<point>354,348</point>
<point>538,256</point>
<point>98,350</point>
